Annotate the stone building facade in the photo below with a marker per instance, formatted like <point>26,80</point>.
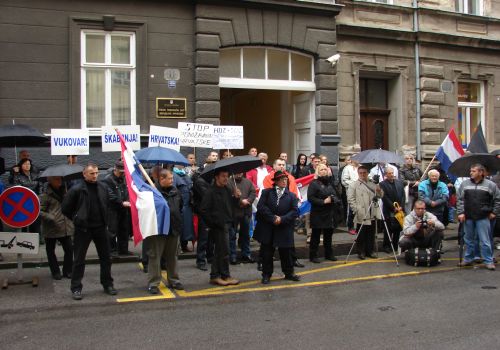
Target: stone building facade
<point>83,64</point>
<point>436,60</point>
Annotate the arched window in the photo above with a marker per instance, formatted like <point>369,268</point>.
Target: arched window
<point>266,68</point>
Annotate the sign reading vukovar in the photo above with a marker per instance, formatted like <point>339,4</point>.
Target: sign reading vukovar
<point>111,141</point>
<point>64,142</point>
<point>164,137</point>
<point>228,137</point>
<point>196,135</point>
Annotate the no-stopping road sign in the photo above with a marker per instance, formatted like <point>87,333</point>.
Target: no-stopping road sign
<point>19,206</point>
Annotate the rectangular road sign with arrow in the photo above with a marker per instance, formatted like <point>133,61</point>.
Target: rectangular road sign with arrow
<point>19,243</point>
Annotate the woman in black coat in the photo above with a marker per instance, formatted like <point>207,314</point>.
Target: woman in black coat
<point>276,214</point>
<point>323,198</point>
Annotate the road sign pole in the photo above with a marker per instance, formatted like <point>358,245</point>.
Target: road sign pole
<point>19,267</point>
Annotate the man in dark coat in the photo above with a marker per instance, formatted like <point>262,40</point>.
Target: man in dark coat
<point>216,210</point>
<point>87,205</point>
<point>394,192</point>
<point>242,218</point>
<point>276,214</point>
<point>119,218</point>
<point>165,247</point>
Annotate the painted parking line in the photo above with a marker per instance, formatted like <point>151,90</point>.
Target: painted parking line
<point>255,285</point>
<point>165,293</point>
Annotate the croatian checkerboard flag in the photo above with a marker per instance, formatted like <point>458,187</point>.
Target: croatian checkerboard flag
<point>303,185</point>
<point>149,210</point>
<point>449,151</point>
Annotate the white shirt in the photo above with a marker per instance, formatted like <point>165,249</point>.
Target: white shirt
<point>349,175</point>
<point>261,174</point>
<point>376,171</point>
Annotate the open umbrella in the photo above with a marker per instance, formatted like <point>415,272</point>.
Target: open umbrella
<point>20,135</point>
<point>66,171</point>
<point>157,154</point>
<point>496,152</point>
<point>377,156</point>
<point>233,165</point>
<point>461,166</point>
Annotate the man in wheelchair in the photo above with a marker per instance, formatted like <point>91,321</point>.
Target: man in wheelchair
<point>421,229</point>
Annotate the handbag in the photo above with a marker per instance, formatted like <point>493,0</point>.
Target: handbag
<point>400,215</point>
<point>422,257</point>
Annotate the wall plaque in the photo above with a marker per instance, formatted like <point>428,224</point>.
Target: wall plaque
<point>171,107</point>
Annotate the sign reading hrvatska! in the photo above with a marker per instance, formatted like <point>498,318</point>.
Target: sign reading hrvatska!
<point>64,142</point>
<point>111,141</point>
<point>196,135</point>
<point>164,137</point>
<point>228,137</point>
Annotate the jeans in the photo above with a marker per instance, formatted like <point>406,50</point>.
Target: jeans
<point>474,230</point>
<point>477,249</point>
<point>82,241</point>
<point>327,242</point>
<point>220,263</point>
<point>205,247</point>
<point>243,237</point>
<point>67,246</point>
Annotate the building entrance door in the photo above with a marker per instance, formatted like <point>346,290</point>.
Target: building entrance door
<point>374,129</point>
<point>303,115</point>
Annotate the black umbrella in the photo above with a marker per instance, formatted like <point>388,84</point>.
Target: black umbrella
<point>20,135</point>
<point>461,166</point>
<point>496,152</point>
<point>377,156</point>
<point>66,171</point>
<point>233,165</point>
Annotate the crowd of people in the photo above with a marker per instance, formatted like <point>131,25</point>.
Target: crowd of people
<point>221,215</point>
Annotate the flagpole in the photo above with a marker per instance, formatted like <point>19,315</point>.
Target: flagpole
<point>427,169</point>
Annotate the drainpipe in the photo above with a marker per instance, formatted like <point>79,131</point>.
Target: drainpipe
<point>417,78</point>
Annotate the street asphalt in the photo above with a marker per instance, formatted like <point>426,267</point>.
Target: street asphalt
<point>371,304</point>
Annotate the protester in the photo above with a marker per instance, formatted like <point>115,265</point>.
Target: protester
<point>23,154</point>
<point>276,213</point>
<point>411,175</point>
<point>252,152</point>
<point>257,175</point>
<point>478,203</point>
<point>87,205</point>
<point>363,197</point>
<point>226,154</point>
<point>119,218</point>
<point>284,156</point>
<point>394,193</point>
<point>26,177</point>
<point>434,193</point>
<point>279,165</point>
<point>323,198</point>
<point>166,246</point>
<point>421,229</point>
<point>185,186</point>
<point>2,188</point>
<point>377,173</point>
<point>56,227</point>
<point>311,168</point>
<point>299,166</point>
<point>192,168</point>
<point>212,157</point>
<point>217,211</point>
<point>204,247</point>
<point>349,176</point>
<point>242,218</point>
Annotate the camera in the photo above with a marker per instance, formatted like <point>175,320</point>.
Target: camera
<point>376,179</point>
<point>424,223</point>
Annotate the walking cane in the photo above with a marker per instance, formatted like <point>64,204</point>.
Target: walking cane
<point>461,240</point>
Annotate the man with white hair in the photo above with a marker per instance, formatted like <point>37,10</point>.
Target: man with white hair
<point>434,193</point>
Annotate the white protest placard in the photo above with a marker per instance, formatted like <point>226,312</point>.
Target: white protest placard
<point>196,135</point>
<point>111,141</point>
<point>65,142</point>
<point>228,137</point>
<point>164,137</point>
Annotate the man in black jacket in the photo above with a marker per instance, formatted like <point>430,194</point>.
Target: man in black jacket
<point>119,218</point>
<point>86,204</point>
<point>160,246</point>
<point>394,192</point>
<point>216,210</point>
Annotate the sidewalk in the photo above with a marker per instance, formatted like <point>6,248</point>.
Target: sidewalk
<point>342,242</point>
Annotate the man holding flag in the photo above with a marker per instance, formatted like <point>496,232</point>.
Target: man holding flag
<point>149,210</point>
